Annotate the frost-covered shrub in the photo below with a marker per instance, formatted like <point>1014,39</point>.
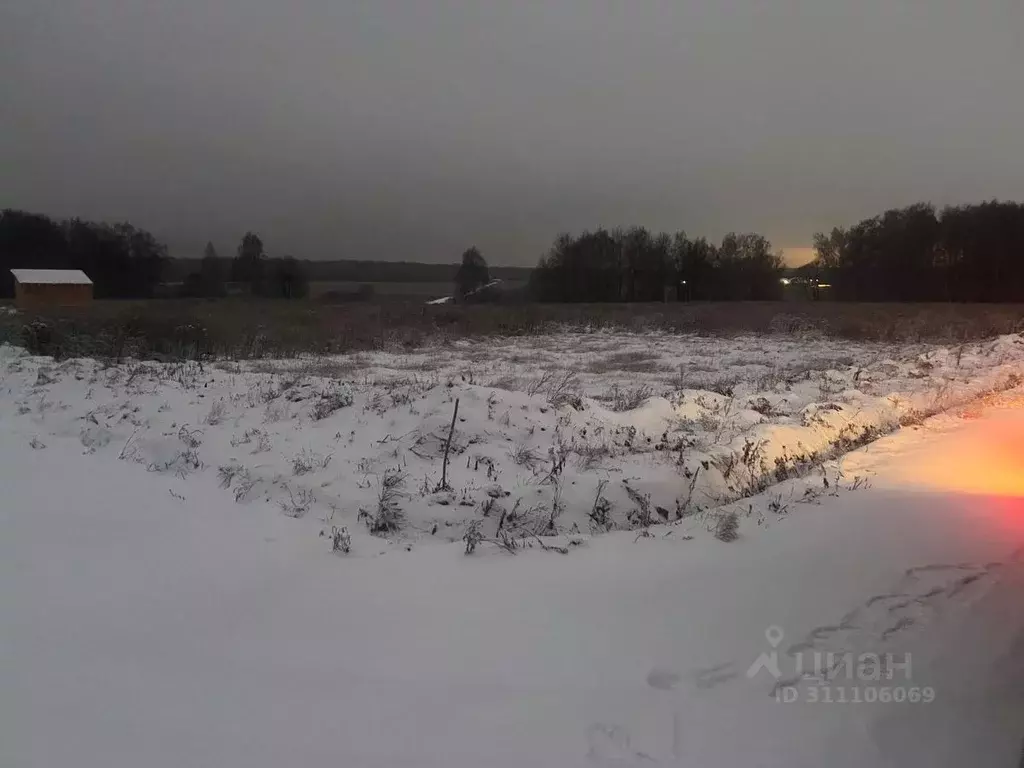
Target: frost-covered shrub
<point>388,516</point>
<point>330,401</point>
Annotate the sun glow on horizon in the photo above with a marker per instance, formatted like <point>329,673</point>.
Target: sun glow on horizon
<point>797,256</point>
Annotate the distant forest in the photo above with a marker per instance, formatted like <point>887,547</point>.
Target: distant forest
<point>123,262</point>
<point>965,253</point>
<point>638,265</point>
<point>971,253</point>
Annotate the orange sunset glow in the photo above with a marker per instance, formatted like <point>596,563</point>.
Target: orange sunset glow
<point>987,460</point>
<point>797,256</point>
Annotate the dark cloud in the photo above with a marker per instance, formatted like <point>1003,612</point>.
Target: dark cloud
<point>410,129</point>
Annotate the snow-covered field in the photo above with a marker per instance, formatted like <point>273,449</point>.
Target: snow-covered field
<point>566,435</point>
<point>169,594</point>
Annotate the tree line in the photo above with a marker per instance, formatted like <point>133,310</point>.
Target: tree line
<point>121,260</point>
<point>970,253</point>
<point>252,269</point>
<point>126,262</point>
<point>638,265</point>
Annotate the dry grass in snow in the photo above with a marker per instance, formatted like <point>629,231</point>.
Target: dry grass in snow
<point>563,435</point>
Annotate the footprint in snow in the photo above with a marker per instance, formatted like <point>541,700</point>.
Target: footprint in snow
<point>923,593</point>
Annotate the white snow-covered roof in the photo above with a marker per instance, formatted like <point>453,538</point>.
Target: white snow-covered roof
<point>51,276</point>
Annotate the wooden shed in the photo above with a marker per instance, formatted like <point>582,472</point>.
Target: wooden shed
<point>51,287</point>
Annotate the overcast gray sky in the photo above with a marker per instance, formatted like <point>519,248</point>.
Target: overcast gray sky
<point>410,129</point>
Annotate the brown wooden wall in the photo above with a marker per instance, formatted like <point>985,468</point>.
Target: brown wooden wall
<point>51,294</point>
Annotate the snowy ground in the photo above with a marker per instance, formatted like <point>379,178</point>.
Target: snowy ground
<point>150,619</point>
<point>570,435</point>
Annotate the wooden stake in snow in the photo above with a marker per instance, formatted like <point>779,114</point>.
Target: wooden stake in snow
<point>447,447</point>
